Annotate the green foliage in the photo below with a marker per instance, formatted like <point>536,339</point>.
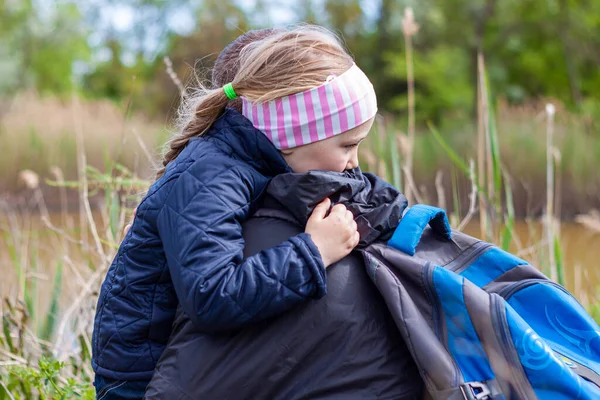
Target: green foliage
<point>42,381</point>
<point>39,46</point>
<point>534,49</point>
<point>443,83</point>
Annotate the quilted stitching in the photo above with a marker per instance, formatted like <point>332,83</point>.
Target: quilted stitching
<point>196,206</point>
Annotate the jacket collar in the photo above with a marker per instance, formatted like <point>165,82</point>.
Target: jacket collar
<point>377,206</point>
<point>235,135</point>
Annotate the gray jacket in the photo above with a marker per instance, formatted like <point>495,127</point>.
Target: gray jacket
<point>344,346</point>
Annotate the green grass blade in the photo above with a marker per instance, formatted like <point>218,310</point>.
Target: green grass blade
<point>558,257</point>
<point>16,261</point>
<point>456,159</point>
<point>455,194</point>
<point>395,159</point>
<point>51,316</point>
<point>507,236</point>
<point>32,290</point>
<point>114,213</point>
<point>86,352</point>
<point>7,337</point>
<point>509,219</point>
<point>29,302</point>
<point>494,147</point>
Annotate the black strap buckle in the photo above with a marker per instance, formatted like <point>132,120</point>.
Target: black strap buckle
<point>475,391</point>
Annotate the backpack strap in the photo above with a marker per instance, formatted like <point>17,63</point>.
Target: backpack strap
<point>408,233</point>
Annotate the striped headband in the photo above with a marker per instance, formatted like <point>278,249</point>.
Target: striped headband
<point>338,105</point>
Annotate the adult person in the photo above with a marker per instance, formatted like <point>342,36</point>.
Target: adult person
<point>343,346</point>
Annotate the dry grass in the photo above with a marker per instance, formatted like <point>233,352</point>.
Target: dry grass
<point>591,220</point>
<point>37,133</point>
<point>522,134</point>
<point>44,314</point>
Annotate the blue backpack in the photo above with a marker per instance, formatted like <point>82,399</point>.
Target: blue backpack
<point>481,323</point>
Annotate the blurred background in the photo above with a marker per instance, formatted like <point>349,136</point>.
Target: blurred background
<point>489,109</point>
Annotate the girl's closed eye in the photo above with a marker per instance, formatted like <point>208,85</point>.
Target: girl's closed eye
<point>352,145</point>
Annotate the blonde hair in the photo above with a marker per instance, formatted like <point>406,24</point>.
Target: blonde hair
<point>283,63</point>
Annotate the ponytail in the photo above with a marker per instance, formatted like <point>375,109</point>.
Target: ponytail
<point>197,114</point>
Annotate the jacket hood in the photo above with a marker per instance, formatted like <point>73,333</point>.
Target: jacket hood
<point>377,206</point>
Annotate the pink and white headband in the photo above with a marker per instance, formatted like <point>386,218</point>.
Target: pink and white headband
<point>340,104</point>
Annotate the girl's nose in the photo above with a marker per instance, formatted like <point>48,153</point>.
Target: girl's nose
<point>353,162</point>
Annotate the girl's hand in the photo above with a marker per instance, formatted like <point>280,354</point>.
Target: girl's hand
<point>335,235</point>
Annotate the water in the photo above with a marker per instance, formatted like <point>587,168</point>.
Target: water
<point>581,254</point>
<point>27,242</point>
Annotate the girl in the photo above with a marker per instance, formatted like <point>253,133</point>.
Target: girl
<point>305,106</point>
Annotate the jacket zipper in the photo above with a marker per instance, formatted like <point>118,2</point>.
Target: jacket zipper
<point>482,247</point>
<point>503,334</point>
<point>436,315</point>
<point>428,276</point>
<point>509,291</point>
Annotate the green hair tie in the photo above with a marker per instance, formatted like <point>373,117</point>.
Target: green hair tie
<point>229,92</point>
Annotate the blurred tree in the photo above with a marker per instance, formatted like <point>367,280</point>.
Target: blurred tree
<point>533,48</point>
<point>345,17</point>
<point>39,46</point>
<point>112,78</point>
<point>130,55</point>
<point>443,83</point>
<point>385,38</point>
<point>306,11</point>
<point>218,23</point>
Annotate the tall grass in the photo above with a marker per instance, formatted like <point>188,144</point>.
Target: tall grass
<point>521,146</point>
<point>45,349</point>
<point>47,315</point>
<point>491,197</point>
<point>39,132</point>
<point>409,29</point>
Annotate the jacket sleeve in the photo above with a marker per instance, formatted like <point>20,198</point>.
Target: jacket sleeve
<point>200,228</point>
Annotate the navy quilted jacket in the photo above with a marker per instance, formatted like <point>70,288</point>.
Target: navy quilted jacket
<point>186,247</point>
